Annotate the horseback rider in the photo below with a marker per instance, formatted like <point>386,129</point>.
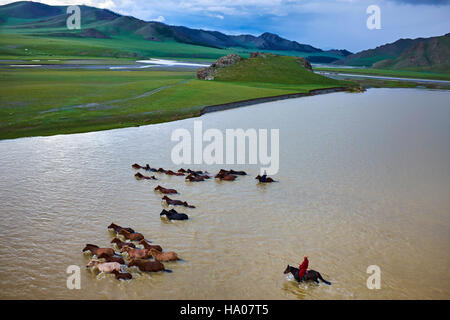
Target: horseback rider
<point>302,268</point>
<point>264,177</point>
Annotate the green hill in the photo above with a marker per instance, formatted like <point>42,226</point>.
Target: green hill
<point>269,68</point>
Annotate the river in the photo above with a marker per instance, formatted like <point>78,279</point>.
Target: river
<point>364,180</point>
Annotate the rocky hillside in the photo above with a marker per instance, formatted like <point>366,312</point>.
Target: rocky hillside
<point>431,55</point>
<point>427,54</point>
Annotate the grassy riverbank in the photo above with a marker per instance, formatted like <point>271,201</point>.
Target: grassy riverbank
<point>46,102</point>
<point>389,73</point>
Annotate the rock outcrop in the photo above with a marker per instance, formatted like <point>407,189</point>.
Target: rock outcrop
<point>208,73</point>
<point>305,63</point>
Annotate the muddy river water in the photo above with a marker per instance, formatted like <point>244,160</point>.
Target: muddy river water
<point>364,180</point>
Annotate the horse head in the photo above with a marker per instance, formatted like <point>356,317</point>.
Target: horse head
<point>125,248</point>
<point>113,226</point>
<point>92,263</point>
<point>287,270</point>
<point>89,247</point>
<point>132,262</point>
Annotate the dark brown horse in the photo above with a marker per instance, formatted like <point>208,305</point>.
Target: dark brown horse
<point>99,251</point>
<point>172,214</point>
<point>195,178</point>
<point>147,265</point>
<point>122,275</point>
<point>165,191</point>
<point>310,275</point>
<point>238,173</point>
<point>147,167</point>
<point>198,172</point>
<point>268,180</point>
<point>176,202</point>
<point>111,259</point>
<point>133,236</point>
<point>117,228</point>
<point>136,166</point>
<point>140,176</point>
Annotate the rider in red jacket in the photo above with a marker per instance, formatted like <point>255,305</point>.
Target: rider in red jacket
<point>303,267</point>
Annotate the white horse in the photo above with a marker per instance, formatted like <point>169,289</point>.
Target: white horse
<point>105,266</point>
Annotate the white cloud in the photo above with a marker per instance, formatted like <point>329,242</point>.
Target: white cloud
<point>159,19</point>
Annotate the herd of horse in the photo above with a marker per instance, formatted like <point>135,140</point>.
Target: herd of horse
<point>147,257</point>
<point>191,176</point>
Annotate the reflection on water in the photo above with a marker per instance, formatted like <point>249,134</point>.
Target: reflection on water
<point>364,179</point>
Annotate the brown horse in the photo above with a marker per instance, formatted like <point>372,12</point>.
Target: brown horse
<point>136,166</point>
<point>165,191</point>
<point>122,275</point>
<point>171,173</point>
<point>164,256</point>
<point>268,180</point>
<point>98,251</point>
<point>140,176</point>
<point>117,228</point>
<point>137,253</point>
<point>176,202</point>
<point>121,244</point>
<point>150,246</point>
<point>146,265</point>
<point>194,178</point>
<point>133,236</point>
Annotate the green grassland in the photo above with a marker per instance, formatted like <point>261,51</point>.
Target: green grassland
<point>14,46</point>
<point>390,73</point>
<point>27,47</point>
<point>48,102</point>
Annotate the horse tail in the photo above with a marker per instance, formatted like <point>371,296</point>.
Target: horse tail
<point>320,277</point>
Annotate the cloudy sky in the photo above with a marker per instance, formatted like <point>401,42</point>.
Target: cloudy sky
<point>324,24</point>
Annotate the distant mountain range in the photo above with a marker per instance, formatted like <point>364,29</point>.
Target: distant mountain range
<point>37,19</point>
<point>427,54</point>
<point>49,20</point>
